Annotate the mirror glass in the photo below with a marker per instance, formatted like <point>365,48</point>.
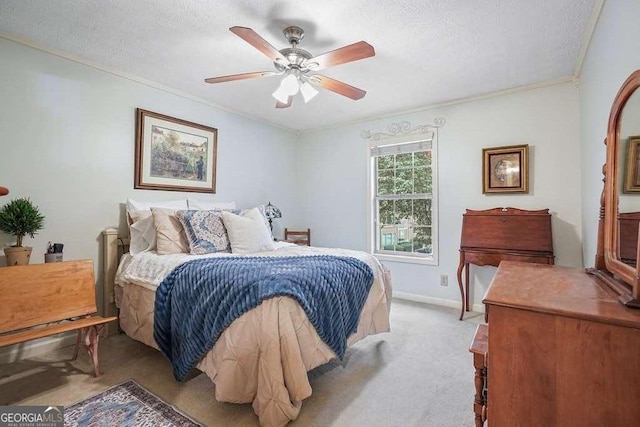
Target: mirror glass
<point>628,183</point>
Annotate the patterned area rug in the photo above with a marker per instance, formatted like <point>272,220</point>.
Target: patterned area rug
<point>125,405</point>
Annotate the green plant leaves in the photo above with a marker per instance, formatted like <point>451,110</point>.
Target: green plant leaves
<point>20,217</point>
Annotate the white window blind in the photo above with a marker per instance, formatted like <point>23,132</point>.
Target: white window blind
<point>402,148</point>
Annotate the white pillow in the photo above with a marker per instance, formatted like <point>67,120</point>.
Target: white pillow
<point>200,205</point>
<point>142,232</point>
<point>248,233</point>
<point>134,205</point>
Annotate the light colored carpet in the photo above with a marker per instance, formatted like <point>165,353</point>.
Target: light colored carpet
<point>419,374</point>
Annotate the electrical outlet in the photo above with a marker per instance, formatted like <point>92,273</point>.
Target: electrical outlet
<point>444,280</point>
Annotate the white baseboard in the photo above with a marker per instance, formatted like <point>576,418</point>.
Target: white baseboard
<point>36,347</point>
<point>478,308</point>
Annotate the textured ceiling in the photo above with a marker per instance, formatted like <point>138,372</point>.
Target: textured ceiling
<point>427,52</point>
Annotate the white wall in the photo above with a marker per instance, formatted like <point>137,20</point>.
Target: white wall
<point>612,56</point>
<point>332,172</point>
<point>68,135</point>
<point>67,142</point>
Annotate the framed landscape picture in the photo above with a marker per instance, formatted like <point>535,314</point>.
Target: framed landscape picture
<point>174,154</point>
<point>505,169</point>
<point>632,174</point>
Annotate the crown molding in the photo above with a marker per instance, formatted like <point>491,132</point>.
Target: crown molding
<point>495,94</point>
<point>136,79</point>
<point>588,36</point>
<point>297,132</point>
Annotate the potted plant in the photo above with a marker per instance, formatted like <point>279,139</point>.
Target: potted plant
<point>20,217</point>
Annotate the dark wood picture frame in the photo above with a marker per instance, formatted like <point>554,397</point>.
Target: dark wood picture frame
<point>173,154</point>
<point>505,169</point>
<point>632,173</point>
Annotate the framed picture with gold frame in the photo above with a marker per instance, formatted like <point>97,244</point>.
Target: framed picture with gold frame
<point>174,154</point>
<point>505,169</point>
<point>632,173</point>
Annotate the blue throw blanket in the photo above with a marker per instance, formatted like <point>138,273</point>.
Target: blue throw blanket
<point>199,299</point>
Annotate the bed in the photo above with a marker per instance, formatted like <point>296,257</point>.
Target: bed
<point>264,355</point>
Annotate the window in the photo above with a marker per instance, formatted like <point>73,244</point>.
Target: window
<point>403,200</point>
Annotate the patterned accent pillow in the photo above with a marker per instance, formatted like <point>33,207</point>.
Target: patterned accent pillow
<point>206,231</point>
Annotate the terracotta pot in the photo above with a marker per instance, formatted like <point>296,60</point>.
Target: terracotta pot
<point>17,255</point>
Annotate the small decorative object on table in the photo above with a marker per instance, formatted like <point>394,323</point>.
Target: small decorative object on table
<point>20,217</point>
<point>54,252</point>
<point>272,212</point>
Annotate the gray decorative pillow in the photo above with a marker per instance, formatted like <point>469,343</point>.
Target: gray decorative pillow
<point>206,231</point>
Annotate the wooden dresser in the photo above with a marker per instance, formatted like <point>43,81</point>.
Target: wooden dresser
<point>562,351</point>
<point>494,235</point>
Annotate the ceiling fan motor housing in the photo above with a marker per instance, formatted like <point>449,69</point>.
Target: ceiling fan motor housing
<point>293,34</point>
<point>295,56</point>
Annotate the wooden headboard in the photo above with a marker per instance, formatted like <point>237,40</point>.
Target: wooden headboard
<point>113,247</point>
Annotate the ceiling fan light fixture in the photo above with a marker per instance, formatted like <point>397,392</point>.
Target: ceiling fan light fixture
<point>281,95</point>
<point>308,92</point>
<point>290,84</point>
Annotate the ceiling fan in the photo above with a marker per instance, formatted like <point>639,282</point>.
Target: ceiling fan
<point>299,66</point>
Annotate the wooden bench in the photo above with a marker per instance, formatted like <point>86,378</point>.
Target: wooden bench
<point>40,300</point>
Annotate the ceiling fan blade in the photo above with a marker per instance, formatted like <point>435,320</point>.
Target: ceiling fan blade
<point>243,76</point>
<point>337,87</point>
<point>283,105</point>
<point>353,52</point>
<point>255,40</point>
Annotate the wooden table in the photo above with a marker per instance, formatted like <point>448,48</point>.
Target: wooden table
<point>502,234</point>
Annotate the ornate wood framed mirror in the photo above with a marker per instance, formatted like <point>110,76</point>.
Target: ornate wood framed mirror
<point>618,250</point>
